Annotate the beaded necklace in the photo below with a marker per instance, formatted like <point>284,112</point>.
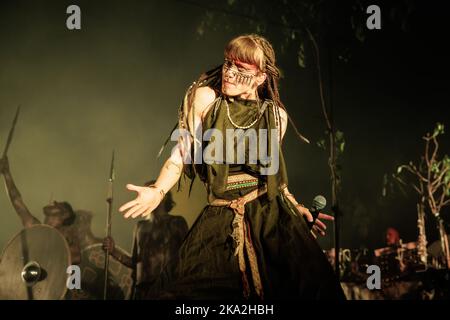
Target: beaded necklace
<point>238,126</point>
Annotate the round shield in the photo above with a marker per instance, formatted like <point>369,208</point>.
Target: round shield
<point>34,265</point>
<point>92,266</point>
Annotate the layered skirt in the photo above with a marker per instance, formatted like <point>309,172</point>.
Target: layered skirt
<point>270,254</point>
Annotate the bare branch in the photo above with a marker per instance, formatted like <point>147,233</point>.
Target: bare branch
<point>413,169</point>
<point>436,147</point>
<point>427,147</point>
<point>399,180</point>
<point>438,180</point>
<point>441,202</point>
<point>415,187</point>
<point>431,200</point>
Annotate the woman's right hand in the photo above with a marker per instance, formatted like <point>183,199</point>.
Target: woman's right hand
<point>146,201</point>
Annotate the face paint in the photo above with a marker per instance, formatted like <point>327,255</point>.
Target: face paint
<point>230,70</point>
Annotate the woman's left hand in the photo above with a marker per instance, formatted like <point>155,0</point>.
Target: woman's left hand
<point>319,227</point>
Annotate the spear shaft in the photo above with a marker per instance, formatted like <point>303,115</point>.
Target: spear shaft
<point>11,133</point>
<point>109,201</point>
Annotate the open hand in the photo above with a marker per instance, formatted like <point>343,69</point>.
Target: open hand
<point>146,201</point>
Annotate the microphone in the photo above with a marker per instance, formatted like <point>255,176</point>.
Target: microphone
<point>318,204</point>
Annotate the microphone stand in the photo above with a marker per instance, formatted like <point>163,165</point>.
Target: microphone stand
<point>337,215</point>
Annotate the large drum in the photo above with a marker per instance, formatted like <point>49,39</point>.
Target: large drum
<point>398,263</point>
<point>353,264</point>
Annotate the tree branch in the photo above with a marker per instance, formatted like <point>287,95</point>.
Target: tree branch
<point>441,202</point>
<point>427,147</point>
<point>438,180</point>
<point>413,169</point>
<point>415,187</point>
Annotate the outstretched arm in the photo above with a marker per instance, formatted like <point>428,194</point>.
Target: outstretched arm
<point>149,198</point>
<point>14,195</point>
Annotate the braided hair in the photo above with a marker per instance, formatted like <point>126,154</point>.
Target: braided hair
<point>257,50</point>
<point>252,49</point>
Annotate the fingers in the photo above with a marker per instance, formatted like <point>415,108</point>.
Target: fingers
<point>134,207</point>
<point>107,244</point>
<point>139,211</point>
<point>147,212</point>
<point>133,210</point>
<point>133,187</point>
<point>321,225</point>
<point>305,212</point>
<point>324,216</point>
<point>318,230</point>
<point>128,205</point>
<point>108,241</point>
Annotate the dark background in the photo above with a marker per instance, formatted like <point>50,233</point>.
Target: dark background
<point>118,81</point>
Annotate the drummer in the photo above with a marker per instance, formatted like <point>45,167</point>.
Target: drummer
<point>393,241</point>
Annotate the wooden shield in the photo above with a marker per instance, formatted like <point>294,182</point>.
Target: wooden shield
<point>34,265</point>
<point>120,281</point>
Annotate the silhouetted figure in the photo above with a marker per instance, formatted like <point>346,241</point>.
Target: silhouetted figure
<point>59,215</point>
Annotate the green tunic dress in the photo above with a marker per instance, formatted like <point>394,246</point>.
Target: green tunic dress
<point>291,264</point>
